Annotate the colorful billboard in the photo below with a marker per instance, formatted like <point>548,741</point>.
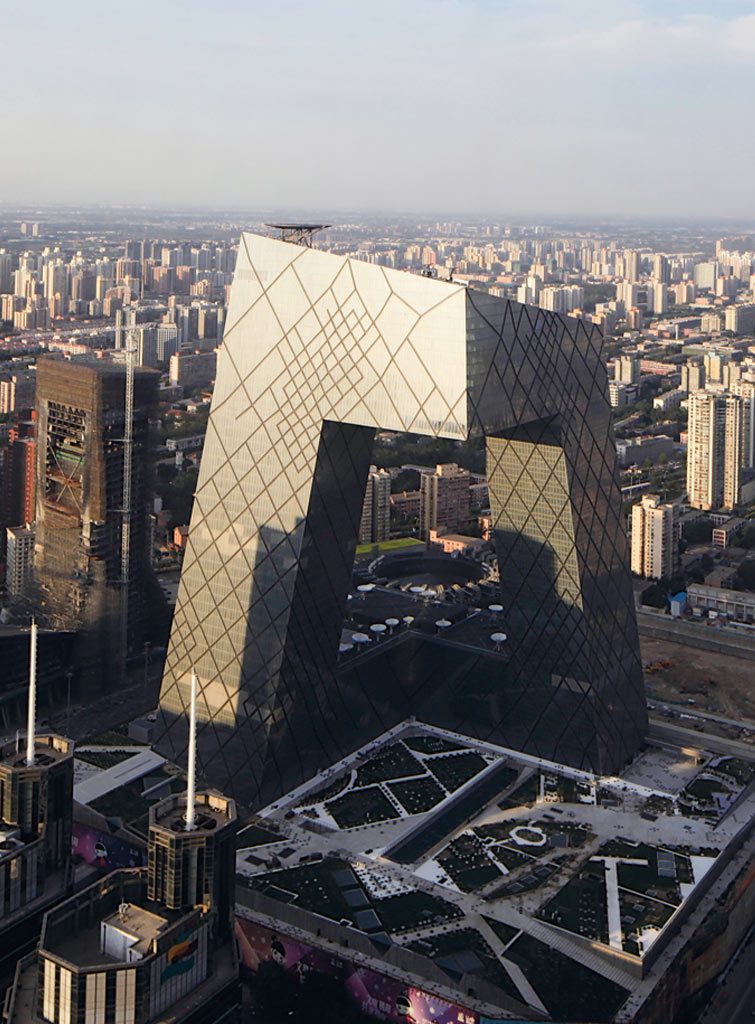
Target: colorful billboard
<point>180,957</point>
<point>105,851</point>
<point>384,998</point>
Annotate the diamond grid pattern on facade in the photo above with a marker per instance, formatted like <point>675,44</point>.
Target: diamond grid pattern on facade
<point>320,352</point>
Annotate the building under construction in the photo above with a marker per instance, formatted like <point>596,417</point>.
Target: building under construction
<point>80,515</point>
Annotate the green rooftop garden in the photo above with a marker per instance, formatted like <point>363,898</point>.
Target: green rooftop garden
<point>103,758</point>
<point>453,770</point>
<point>395,762</point>
<point>361,807</point>
<point>467,864</point>
<point>417,795</point>
<point>569,990</point>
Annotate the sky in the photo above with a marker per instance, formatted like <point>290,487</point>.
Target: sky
<point>630,108</point>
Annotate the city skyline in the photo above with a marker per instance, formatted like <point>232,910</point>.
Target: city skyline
<point>446,726</point>
<point>377,512</point>
<point>467,105</point>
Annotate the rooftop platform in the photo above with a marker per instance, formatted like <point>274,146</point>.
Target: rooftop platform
<point>49,748</point>
<point>468,853</point>
<point>212,811</point>
<point>97,925</point>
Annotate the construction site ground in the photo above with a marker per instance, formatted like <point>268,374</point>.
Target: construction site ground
<point>677,674</point>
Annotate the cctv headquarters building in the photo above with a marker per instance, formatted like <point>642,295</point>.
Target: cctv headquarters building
<point>320,352</point>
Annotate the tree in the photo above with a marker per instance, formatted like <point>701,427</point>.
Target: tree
<point>655,595</point>
<point>745,578</point>
<point>747,538</point>
<point>698,532</point>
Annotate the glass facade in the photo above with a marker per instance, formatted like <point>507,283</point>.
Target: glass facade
<point>320,352</point>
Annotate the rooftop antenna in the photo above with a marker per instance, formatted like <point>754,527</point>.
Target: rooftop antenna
<point>32,709</point>
<point>192,766</point>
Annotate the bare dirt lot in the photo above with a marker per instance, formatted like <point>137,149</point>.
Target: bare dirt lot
<point>716,682</point>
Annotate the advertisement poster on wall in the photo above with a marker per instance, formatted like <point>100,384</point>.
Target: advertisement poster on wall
<point>105,851</point>
<point>385,998</point>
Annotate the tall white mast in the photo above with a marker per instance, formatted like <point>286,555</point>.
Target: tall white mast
<point>192,766</point>
<point>32,709</point>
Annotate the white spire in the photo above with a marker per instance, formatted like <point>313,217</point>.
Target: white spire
<point>192,766</point>
<point>32,709</point>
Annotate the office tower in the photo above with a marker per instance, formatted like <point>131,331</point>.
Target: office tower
<point>55,280</point>
<point>209,322</point>
<point>144,944</point>
<point>745,388</point>
<point>80,428</point>
<point>740,319</point>
<point>444,499</point>
<point>321,351</point>
<point>693,375</point>
<point>19,557</point>
<point>188,324</point>
<point>659,296</point>
<point>550,299</point>
<point>631,265</point>
<point>6,272</point>
<point>184,279</point>
<point>192,370</point>
<point>17,392</point>
<point>731,375</point>
<point>634,318</point>
<point>705,275</point>
<point>9,306</point>
<point>714,363</point>
<point>145,338</point>
<point>627,369</point>
<point>166,343</point>
<point>684,293</point>
<point>163,280</point>
<point>192,867</point>
<point>528,292</point>
<point>562,300</point>
<point>655,538</point>
<point>661,270</point>
<point>18,477</point>
<point>715,449</point>
<point>727,286</point>
<point>83,286</point>
<point>36,805</point>
<point>376,509</point>
<point>36,811</point>
<point>126,269</point>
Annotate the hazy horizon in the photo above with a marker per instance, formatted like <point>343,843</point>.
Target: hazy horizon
<point>470,107</point>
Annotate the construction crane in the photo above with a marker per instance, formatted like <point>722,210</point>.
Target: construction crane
<point>128,446</point>
<point>130,351</point>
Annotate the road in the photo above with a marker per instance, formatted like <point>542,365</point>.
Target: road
<point>682,711</point>
<point>111,709</point>
<point>662,729</point>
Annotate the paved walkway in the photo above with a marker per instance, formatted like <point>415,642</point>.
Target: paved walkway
<point>613,907</point>
<point>104,782</point>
